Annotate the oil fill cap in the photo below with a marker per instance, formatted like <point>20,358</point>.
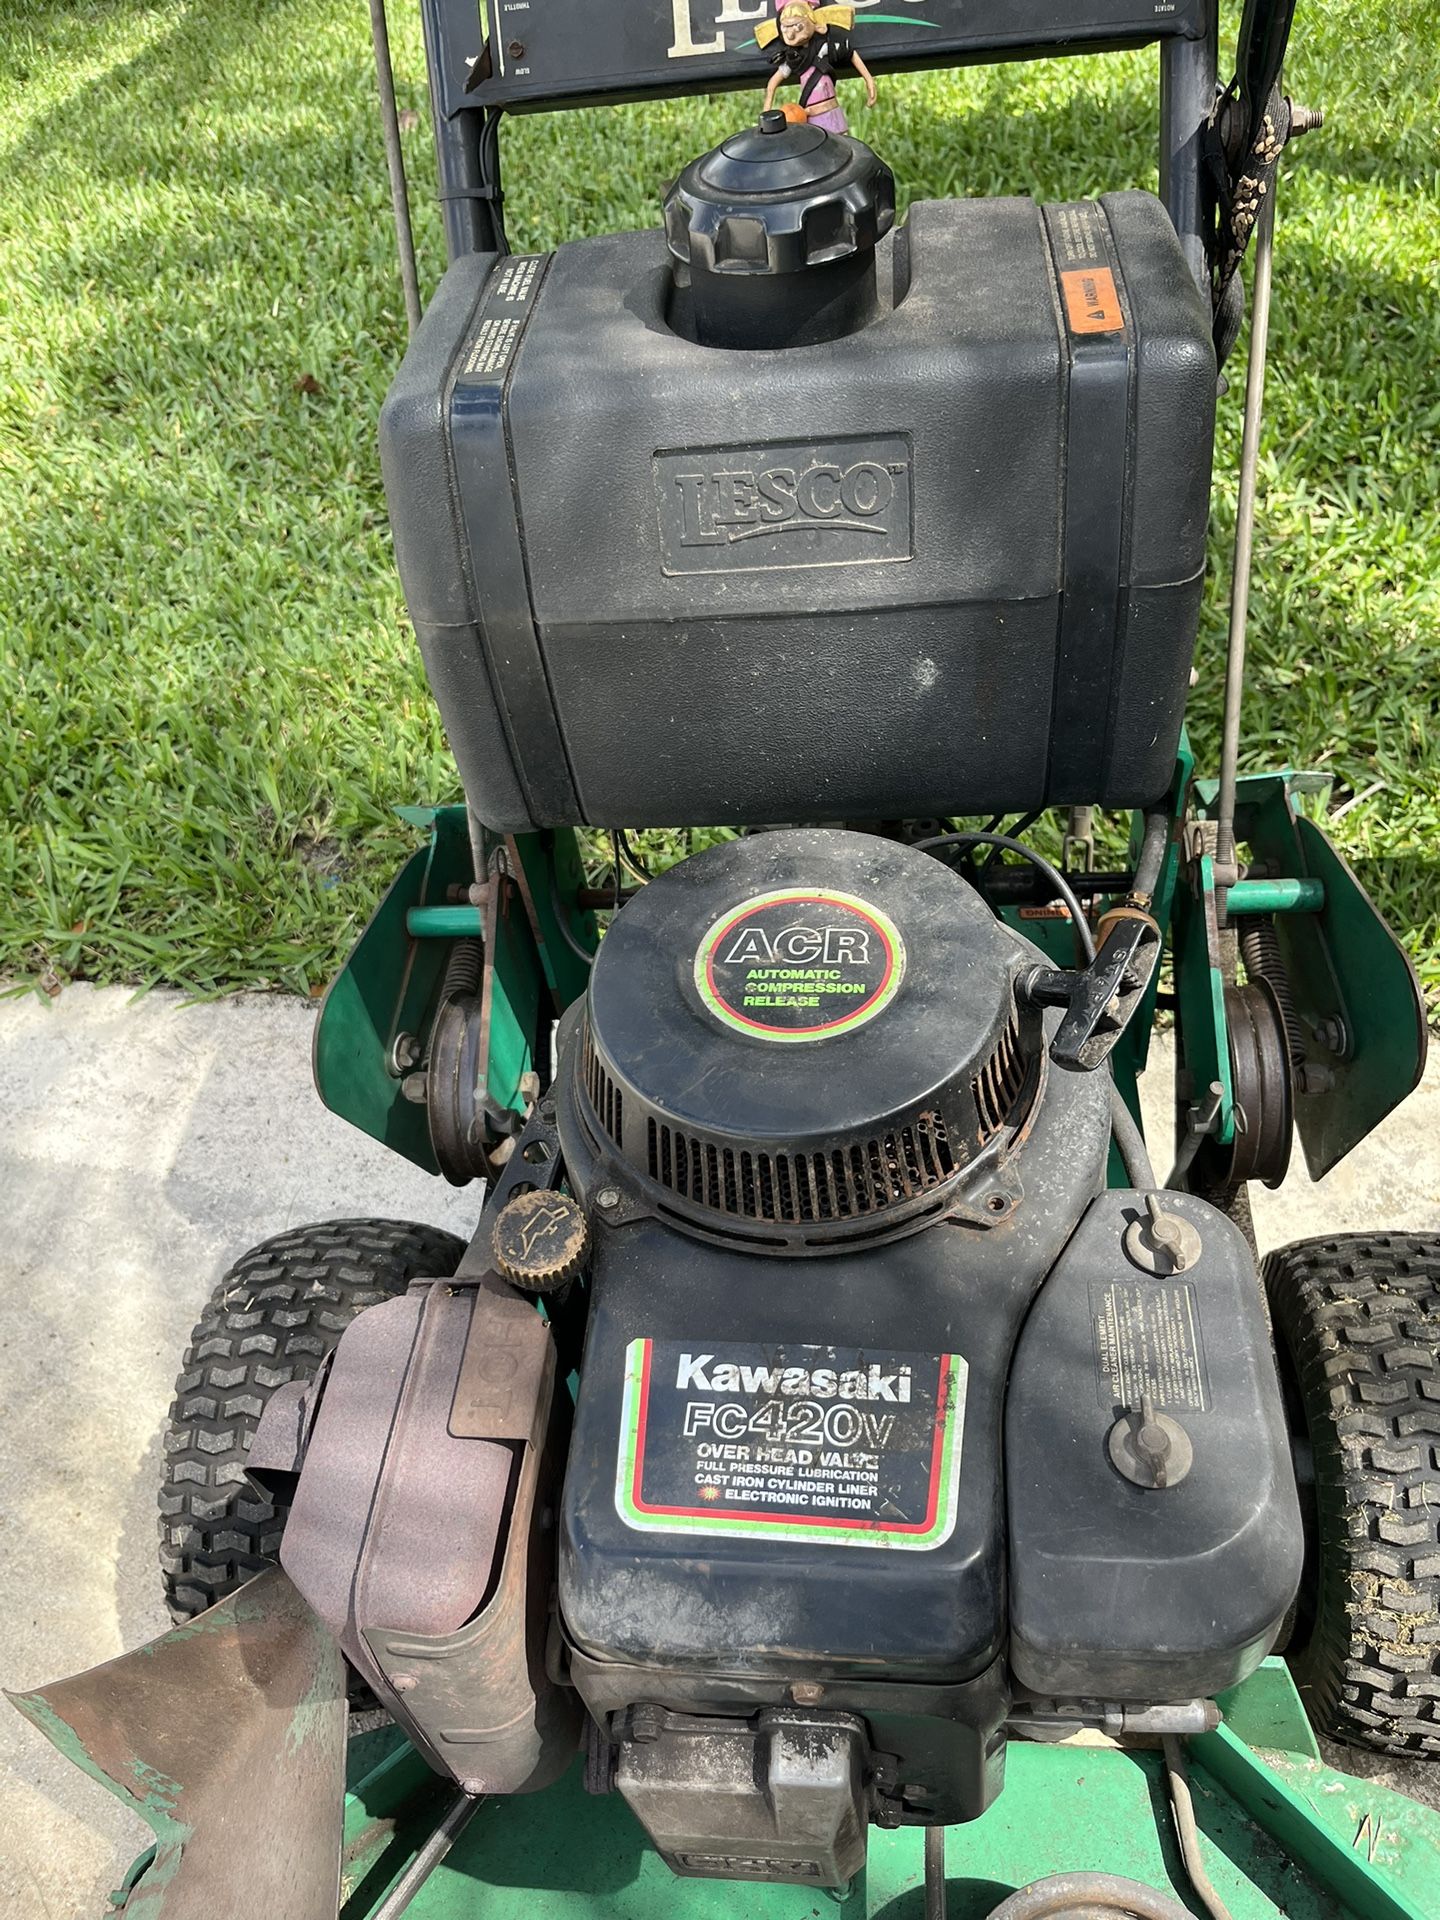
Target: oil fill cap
<point>541,1240</point>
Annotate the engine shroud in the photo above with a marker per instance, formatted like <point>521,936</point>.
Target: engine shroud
<point>809,1038</point>
<point>787,1478</point>
<point>714,1122</point>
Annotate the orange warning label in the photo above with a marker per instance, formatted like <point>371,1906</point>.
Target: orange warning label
<point>1092,304</point>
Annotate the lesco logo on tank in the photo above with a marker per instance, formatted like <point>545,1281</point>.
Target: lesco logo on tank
<point>735,509</point>
<point>799,964</point>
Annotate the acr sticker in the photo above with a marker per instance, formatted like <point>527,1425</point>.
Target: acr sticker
<point>837,1446</point>
<point>1092,303</point>
<point>799,964</point>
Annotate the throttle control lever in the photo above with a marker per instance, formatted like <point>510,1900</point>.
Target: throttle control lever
<point>1099,1002</point>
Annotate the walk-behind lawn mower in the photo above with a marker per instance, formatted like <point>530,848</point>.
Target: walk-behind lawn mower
<point>837,1469</point>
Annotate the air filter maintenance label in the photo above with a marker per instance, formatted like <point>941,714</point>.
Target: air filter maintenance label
<point>799,964</point>
<point>845,1447</point>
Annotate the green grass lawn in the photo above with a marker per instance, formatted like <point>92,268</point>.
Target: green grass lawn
<point>209,698</point>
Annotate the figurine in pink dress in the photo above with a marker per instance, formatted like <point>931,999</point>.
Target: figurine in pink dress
<point>811,45</point>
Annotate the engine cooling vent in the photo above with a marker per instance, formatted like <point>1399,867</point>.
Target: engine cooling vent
<point>607,1103</point>
<point>1000,1084</point>
<point>810,1189</point>
<point>800,1189</point>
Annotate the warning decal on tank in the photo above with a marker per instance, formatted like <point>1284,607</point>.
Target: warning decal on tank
<point>1148,1346</point>
<point>1092,304</point>
<point>799,964</point>
<point>850,1447</point>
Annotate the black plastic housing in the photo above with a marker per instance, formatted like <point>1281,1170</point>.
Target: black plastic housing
<point>1139,1593</point>
<point>794,1144</point>
<point>951,562</point>
<point>771,1610</point>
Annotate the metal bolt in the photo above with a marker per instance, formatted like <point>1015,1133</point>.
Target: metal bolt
<point>1164,1243</point>
<point>1331,1035</point>
<point>607,1199</point>
<point>1150,1449</point>
<point>1313,1079</point>
<point>516,49</point>
<point>404,1053</point>
<point>1167,1232</point>
<point>1152,1442</point>
<point>1305,119</point>
<point>403,1682</point>
<point>647,1723</point>
<point>807,1693</point>
<point>415,1088</point>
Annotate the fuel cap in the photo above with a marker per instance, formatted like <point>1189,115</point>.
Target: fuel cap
<point>791,205</point>
<point>777,198</point>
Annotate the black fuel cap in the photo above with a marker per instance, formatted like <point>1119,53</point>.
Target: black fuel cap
<point>787,204</point>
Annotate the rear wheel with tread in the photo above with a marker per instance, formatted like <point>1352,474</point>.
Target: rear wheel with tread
<point>1357,1321</point>
<point>272,1319</point>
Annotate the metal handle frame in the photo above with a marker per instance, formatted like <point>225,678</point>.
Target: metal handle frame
<point>454,39</point>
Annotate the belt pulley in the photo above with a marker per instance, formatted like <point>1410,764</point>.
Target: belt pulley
<point>1264,1085</point>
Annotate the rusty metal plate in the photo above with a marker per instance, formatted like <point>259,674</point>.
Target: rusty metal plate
<point>227,1735</point>
<point>508,1352</point>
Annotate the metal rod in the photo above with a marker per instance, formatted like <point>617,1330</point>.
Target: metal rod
<point>395,161</point>
<point>1276,896</point>
<point>461,1811</point>
<point>1187,1831</point>
<point>934,1873</point>
<point>444,923</point>
<point>1225,870</point>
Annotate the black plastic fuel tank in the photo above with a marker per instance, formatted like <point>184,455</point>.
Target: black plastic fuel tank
<point>949,561</point>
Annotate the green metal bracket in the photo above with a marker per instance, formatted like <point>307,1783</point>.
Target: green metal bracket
<point>1344,1857</point>
<point>390,984</point>
<point>1200,975</point>
<point>1361,1011</point>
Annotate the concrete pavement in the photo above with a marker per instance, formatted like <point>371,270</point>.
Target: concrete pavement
<point>143,1145</point>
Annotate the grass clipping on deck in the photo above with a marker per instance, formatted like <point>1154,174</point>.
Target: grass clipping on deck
<point>209,695</point>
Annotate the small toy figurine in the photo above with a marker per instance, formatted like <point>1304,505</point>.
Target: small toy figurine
<point>811,45</point>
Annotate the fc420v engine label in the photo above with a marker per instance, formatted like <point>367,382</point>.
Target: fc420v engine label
<point>848,1447</point>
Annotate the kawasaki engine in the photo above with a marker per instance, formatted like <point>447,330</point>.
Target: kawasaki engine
<point>895,1433</point>
<point>889,1414</point>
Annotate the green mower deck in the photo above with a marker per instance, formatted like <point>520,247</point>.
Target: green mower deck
<point>1281,1833</point>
